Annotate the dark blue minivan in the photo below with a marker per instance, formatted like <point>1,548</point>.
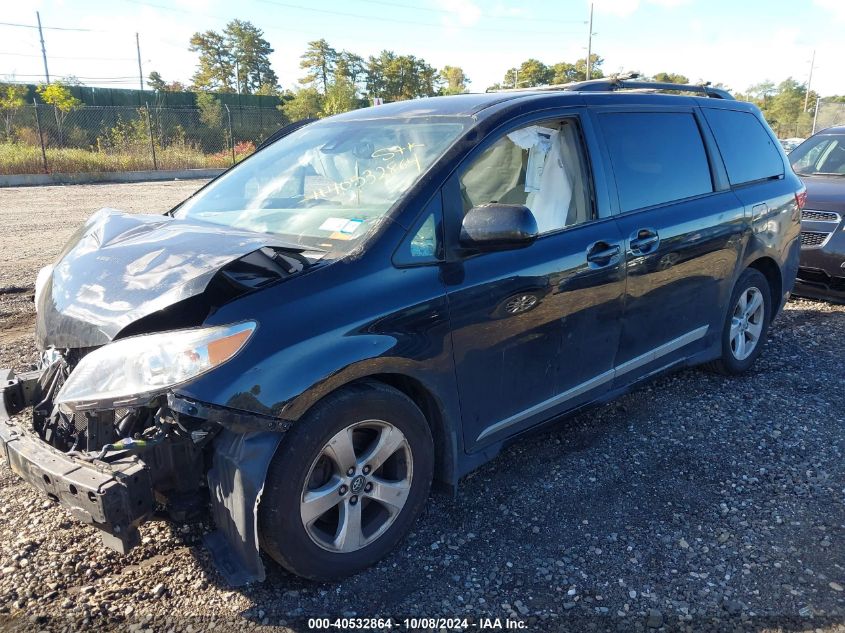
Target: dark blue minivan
<point>382,299</point>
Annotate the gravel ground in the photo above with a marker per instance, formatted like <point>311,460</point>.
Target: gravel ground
<point>696,503</point>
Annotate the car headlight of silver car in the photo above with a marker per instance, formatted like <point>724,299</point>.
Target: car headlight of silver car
<point>133,370</point>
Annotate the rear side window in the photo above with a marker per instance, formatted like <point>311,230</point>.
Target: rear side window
<point>747,149</point>
<point>657,157</point>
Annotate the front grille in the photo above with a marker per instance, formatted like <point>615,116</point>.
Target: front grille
<point>820,216</point>
<point>813,239</point>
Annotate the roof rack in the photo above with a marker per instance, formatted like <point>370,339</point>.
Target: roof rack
<point>623,82</point>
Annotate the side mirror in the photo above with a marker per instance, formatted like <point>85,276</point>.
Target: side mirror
<point>498,227</point>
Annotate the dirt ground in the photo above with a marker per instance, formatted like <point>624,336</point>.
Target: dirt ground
<point>695,503</point>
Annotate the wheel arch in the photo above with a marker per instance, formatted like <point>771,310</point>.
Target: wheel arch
<point>771,271</point>
<point>444,438</point>
<point>440,413</point>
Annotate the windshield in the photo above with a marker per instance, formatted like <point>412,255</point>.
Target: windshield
<point>820,154</point>
<point>327,184</point>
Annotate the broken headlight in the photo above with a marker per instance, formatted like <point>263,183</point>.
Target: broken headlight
<point>130,371</point>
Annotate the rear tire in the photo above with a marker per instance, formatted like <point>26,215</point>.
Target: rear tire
<point>323,518</point>
<point>746,324</point>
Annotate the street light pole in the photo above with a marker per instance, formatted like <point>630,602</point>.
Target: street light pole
<point>140,72</point>
<point>810,80</point>
<point>816,115</point>
<point>43,50</point>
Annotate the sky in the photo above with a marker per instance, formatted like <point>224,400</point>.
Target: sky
<point>735,42</point>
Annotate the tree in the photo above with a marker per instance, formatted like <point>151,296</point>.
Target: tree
<point>240,48</point>
<point>156,82</point>
<point>564,73</point>
<point>531,72</point>
<point>58,95</point>
<point>216,65</point>
<point>672,78</point>
<point>397,77</point>
<point>352,67</point>
<point>251,55</point>
<point>454,79</point>
<point>319,60</point>
<point>340,97</point>
<point>595,67</point>
<point>211,112</point>
<point>12,98</point>
<point>306,103</point>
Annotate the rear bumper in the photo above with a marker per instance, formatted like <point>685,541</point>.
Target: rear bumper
<point>115,497</point>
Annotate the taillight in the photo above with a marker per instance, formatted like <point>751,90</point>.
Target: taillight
<point>801,199</point>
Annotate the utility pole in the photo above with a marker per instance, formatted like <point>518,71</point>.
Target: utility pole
<point>810,80</point>
<point>140,72</point>
<point>516,77</point>
<point>43,50</point>
<point>590,44</point>
<point>816,115</point>
<point>237,77</point>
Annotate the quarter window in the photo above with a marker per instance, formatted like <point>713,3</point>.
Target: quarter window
<point>657,157</point>
<point>540,166</point>
<point>747,149</point>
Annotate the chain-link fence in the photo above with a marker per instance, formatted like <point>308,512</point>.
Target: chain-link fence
<point>43,139</point>
<point>828,114</point>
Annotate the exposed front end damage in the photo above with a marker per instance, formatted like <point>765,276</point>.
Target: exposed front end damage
<point>120,325</point>
<point>111,468</point>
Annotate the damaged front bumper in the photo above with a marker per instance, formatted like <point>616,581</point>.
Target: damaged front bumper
<point>118,493</point>
<point>115,497</point>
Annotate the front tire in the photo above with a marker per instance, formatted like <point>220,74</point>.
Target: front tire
<point>347,482</point>
<point>746,324</point>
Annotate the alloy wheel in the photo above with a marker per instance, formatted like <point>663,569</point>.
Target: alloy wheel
<point>357,486</point>
<point>747,323</point>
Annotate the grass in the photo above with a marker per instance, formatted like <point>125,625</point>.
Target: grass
<point>19,158</point>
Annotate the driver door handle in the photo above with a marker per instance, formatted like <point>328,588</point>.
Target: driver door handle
<point>602,253</point>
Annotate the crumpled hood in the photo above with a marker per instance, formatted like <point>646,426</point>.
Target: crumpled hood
<point>825,193</point>
<point>120,267</point>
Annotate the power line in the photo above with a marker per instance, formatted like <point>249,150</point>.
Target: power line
<point>132,78</point>
<point>447,12</point>
<point>46,28</point>
<point>342,14</point>
<point>397,21</point>
<point>121,59</point>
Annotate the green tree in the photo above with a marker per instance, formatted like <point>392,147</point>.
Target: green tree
<point>759,94</point>
<point>564,73</point>
<point>58,95</point>
<point>595,67</point>
<point>531,72</point>
<point>240,48</point>
<point>12,98</point>
<point>454,80</point>
<point>215,71</point>
<point>352,67</point>
<point>672,78</point>
<point>340,97</point>
<point>251,54</point>
<point>211,112</point>
<point>319,61</point>
<point>397,77</point>
<point>785,108</point>
<point>305,103</point>
<point>156,82</point>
